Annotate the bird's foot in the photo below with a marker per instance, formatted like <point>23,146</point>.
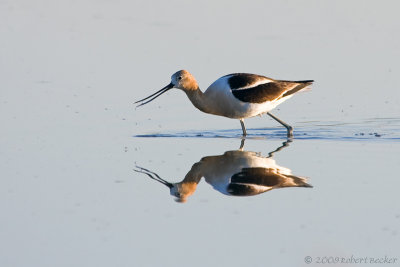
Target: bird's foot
<point>289,132</point>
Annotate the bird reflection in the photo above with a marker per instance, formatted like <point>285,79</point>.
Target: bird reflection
<point>235,173</point>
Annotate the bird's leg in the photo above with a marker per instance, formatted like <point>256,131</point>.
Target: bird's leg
<point>287,126</point>
<point>243,127</point>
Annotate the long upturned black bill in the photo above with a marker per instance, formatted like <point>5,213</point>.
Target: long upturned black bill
<point>156,94</point>
<point>153,176</point>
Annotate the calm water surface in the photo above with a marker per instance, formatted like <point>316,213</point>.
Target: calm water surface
<point>72,141</point>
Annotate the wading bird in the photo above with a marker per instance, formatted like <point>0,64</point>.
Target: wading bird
<point>235,96</point>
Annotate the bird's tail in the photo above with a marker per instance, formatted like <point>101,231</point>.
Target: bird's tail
<point>306,81</point>
<point>302,86</point>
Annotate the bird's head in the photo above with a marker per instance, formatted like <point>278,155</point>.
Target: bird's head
<point>181,80</point>
<point>184,80</point>
<point>183,190</point>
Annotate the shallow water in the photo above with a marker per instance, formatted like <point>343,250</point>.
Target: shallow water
<point>374,129</point>
<point>344,213</point>
<point>73,144</point>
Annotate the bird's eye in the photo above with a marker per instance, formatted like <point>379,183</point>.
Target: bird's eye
<point>180,78</point>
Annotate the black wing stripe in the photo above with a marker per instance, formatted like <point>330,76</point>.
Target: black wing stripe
<point>240,80</point>
<point>262,92</point>
<point>257,176</point>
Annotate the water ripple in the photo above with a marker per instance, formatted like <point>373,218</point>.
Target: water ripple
<point>373,129</point>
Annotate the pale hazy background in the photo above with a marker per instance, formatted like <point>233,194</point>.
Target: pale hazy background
<point>71,70</point>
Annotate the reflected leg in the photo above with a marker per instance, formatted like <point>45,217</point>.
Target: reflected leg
<point>284,144</point>
<point>242,144</point>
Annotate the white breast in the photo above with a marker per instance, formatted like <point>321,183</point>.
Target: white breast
<point>221,101</point>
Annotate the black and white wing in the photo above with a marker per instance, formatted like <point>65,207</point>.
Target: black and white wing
<point>256,180</point>
<point>253,88</point>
